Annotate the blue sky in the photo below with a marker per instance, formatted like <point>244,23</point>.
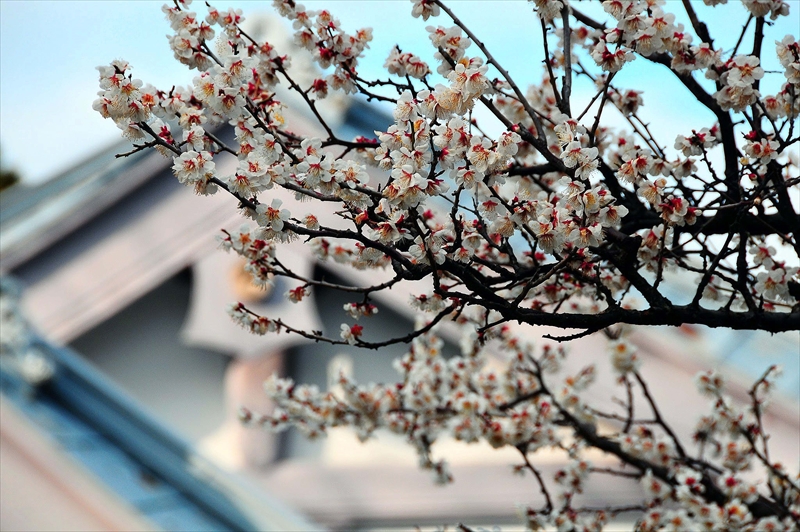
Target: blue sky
<point>48,51</point>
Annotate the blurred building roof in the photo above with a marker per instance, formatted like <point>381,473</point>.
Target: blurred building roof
<point>141,463</point>
<point>35,217</point>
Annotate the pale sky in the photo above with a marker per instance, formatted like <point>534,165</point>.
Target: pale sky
<point>48,51</point>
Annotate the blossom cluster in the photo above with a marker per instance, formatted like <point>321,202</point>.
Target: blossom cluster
<point>250,244</point>
<point>520,401</point>
<point>773,282</point>
<point>429,131</point>
<point>322,35</point>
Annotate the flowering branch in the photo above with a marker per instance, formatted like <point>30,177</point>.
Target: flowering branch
<point>536,215</point>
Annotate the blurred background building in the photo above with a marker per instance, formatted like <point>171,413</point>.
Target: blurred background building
<point>128,418</point>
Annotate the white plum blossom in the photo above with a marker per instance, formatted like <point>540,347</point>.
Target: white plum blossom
<point>351,333</point>
<point>193,167</point>
<point>271,216</point>
<point>623,357</point>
